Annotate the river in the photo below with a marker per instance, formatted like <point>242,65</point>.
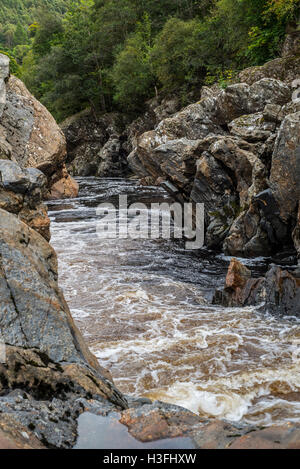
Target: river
<point>144,308</point>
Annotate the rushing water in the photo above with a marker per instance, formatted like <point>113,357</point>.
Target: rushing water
<point>144,308</point>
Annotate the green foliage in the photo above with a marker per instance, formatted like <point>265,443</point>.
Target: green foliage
<point>115,54</point>
<point>132,72</point>
<point>14,67</point>
<point>175,54</point>
<point>17,15</point>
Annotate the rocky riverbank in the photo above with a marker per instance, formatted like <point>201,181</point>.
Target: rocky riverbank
<point>48,376</point>
<point>236,150</point>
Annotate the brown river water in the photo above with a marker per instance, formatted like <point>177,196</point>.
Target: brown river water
<point>144,308</point>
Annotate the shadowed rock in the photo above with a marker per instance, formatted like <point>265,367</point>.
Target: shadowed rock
<point>277,293</point>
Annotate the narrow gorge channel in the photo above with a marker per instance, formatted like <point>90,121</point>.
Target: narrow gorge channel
<point>144,308</point>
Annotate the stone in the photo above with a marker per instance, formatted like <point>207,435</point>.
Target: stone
<point>237,275</point>
<point>285,170</point>
<point>277,293</point>
<point>296,234</point>
<point>194,122</point>
<point>268,91</point>
<point>248,170</point>
<point>21,193</point>
<point>112,161</point>
<point>217,435</point>
<point>252,127</point>
<point>241,98</point>
<point>34,313</point>
<point>29,135</point>
<point>285,69</point>
<point>159,421</point>
<point>4,74</point>
<point>275,437</point>
<point>291,45</point>
<point>31,130</point>
<point>65,188</point>
<point>95,145</point>
<point>15,436</point>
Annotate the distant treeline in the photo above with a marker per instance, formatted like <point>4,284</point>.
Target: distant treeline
<point>115,54</point>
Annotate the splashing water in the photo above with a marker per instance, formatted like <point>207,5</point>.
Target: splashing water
<point>144,309</point>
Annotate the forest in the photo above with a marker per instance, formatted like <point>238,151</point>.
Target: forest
<point>115,54</point>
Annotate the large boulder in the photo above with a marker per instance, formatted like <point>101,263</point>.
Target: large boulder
<point>285,171</point>
<point>94,144</point>
<point>29,134</point>
<point>277,293</point>
<point>235,150</point>
<point>22,192</point>
<point>35,321</point>
<point>241,98</point>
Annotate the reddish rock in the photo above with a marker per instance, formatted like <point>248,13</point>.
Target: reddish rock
<point>65,188</point>
<point>14,436</point>
<point>237,275</point>
<point>275,437</point>
<point>277,293</point>
<point>159,421</point>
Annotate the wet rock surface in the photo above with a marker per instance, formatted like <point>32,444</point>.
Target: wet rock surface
<point>29,134</point>
<point>277,293</point>
<point>228,151</point>
<point>94,144</point>
<point>22,192</point>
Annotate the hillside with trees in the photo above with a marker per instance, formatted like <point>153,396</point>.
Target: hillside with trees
<point>115,54</point>
<point>18,22</point>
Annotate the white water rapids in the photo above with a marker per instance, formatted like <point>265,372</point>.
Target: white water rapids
<point>144,308</point>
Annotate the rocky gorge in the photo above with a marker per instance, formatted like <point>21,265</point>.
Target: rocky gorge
<point>236,150</point>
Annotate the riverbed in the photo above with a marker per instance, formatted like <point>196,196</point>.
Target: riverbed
<point>144,308</point>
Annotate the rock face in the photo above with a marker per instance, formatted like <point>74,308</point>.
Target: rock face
<point>22,192</point>
<point>285,69</point>
<point>285,170</point>
<point>29,134</point>
<point>99,145</point>
<point>236,151</point>
<point>47,368</point>
<point>94,145</point>
<point>276,293</point>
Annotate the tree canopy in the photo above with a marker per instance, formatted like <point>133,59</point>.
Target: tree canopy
<point>115,54</point>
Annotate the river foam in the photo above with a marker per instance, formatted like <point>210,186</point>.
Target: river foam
<point>144,308</point>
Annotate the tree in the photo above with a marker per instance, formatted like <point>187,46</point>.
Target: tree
<point>20,35</point>
<point>176,57</point>
<point>133,74</point>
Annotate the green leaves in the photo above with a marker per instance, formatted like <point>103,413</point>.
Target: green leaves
<point>116,54</point>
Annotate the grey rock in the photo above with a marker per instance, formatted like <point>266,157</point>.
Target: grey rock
<point>285,171</point>
<point>33,312</point>
<point>252,127</point>
<point>4,74</point>
<point>15,179</point>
